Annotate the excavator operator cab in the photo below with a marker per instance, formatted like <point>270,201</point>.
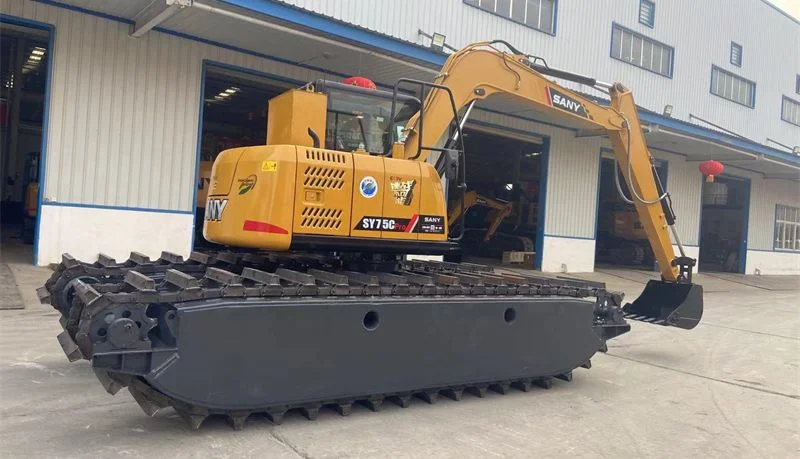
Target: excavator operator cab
<point>360,118</point>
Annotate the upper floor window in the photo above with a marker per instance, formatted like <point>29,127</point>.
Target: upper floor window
<point>790,111</point>
<point>538,14</point>
<point>647,13</point>
<point>736,54</point>
<point>787,228</point>
<point>638,50</point>
<point>732,87</point>
<point>797,84</point>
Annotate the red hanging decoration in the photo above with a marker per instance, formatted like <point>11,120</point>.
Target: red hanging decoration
<point>361,82</point>
<point>710,169</point>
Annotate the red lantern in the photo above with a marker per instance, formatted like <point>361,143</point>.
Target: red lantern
<point>361,82</point>
<point>710,169</point>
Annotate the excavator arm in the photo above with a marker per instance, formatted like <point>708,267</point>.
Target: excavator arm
<point>482,70</point>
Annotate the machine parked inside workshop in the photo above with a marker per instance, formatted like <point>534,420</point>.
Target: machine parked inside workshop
<point>312,303</point>
<point>499,211</point>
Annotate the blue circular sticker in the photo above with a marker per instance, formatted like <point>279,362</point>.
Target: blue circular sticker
<point>368,187</point>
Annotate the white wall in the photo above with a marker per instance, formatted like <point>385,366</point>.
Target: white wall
<point>568,255</point>
<point>772,262</point>
<point>86,232</point>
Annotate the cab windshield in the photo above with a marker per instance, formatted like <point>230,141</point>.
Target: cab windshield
<point>359,119</point>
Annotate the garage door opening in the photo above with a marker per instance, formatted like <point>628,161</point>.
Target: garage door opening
<point>24,59</point>
<point>723,224</point>
<point>621,239</point>
<point>503,197</point>
<point>234,114</point>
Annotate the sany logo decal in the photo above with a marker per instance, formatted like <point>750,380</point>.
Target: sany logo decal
<point>215,208</point>
<point>564,102</point>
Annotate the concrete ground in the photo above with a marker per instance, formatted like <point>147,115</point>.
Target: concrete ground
<point>729,388</point>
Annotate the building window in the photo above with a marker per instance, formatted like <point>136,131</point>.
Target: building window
<point>647,13</point>
<point>736,54</point>
<point>787,228</point>
<point>790,111</point>
<point>734,88</point>
<point>537,14</point>
<point>797,84</point>
<point>638,50</point>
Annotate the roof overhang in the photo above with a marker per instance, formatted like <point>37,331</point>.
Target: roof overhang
<point>694,147</point>
<point>274,31</point>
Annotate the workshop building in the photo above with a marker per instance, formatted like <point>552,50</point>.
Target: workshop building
<point>109,107</point>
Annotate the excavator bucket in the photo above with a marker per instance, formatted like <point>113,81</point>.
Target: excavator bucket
<point>668,303</point>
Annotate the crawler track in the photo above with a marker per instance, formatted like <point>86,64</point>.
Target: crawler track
<point>154,326</point>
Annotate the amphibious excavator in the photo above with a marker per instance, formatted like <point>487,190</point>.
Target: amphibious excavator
<point>312,300</point>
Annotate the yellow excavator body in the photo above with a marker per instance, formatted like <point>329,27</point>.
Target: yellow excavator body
<point>266,197</point>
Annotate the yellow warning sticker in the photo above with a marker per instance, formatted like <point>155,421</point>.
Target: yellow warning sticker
<point>269,166</point>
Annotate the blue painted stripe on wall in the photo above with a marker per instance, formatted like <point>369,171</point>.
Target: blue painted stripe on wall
<point>132,209</point>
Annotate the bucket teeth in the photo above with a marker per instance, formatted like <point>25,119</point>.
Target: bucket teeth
<point>238,419</point>
<point>344,409</point>
<point>587,365</point>
<point>429,396</point>
<point>403,401</point>
<point>565,376</point>
<point>545,383</point>
<point>311,412</point>
<point>454,394</point>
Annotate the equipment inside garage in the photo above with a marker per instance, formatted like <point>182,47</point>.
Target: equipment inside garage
<point>22,100</point>
<point>502,202</point>
<point>723,224</point>
<point>621,239</point>
<point>234,115</point>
